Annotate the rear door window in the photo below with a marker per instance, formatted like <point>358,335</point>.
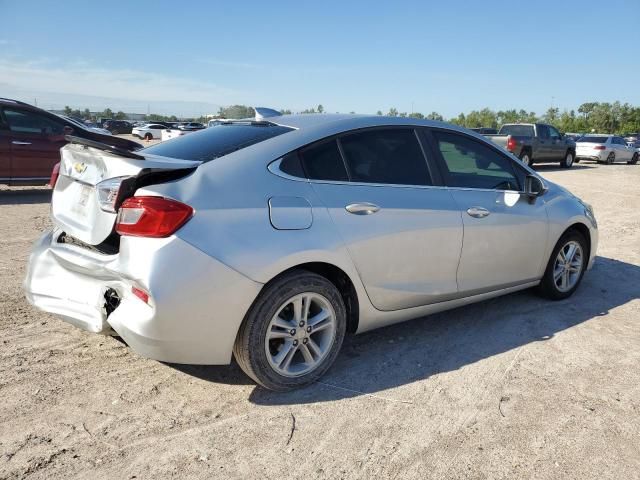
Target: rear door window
<point>323,162</point>
<point>543,132</point>
<point>206,145</point>
<point>470,164</point>
<point>390,156</point>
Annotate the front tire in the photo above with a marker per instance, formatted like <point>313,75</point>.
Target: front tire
<point>567,161</point>
<point>634,159</point>
<point>293,332</point>
<point>566,267</point>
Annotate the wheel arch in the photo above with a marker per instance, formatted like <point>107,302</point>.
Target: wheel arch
<point>582,229</point>
<point>342,282</point>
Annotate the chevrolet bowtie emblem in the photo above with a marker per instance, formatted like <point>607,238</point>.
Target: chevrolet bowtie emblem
<point>79,167</point>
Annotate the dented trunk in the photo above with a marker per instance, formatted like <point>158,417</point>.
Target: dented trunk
<point>94,181</point>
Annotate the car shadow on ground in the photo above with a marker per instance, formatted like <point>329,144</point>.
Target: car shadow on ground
<point>25,196</point>
<point>412,351</point>
<point>554,167</point>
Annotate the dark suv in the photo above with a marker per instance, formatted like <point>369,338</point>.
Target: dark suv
<point>117,126</point>
<point>31,138</point>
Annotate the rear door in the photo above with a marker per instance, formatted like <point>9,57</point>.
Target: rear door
<point>623,151</point>
<point>557,147</point>
<point>5,151</point>
<point>35,144</point>
<point>404,235</point>
<point>544,149</point>
<point>505,236</point>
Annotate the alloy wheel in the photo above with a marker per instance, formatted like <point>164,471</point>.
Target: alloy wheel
<point>300,335</point>
<point>568,266</point>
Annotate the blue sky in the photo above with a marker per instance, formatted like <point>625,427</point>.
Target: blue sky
<point>190,57</point>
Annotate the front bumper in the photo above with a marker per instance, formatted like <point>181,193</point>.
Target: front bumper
<point>196,304</point>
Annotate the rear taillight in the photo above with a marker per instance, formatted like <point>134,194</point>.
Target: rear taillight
<point>599,147</point>
<point>108,193</point>
<point>511,143</point>
<point>154,217</point>
<point>55,172</point>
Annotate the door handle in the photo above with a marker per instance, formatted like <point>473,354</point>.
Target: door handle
<point>17,142</point>
<point>478,212</point>
<point>362,208</point>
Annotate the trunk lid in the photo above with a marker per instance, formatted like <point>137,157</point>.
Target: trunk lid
<point>93,177</point>
<point>587,147</point>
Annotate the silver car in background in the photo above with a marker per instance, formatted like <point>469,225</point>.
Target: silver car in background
<point>605,149</point>
<point>269,240</point>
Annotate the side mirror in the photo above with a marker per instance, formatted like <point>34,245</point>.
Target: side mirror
<point>533,187</point>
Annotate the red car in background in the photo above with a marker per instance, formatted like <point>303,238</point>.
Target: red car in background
<point>30,142</point>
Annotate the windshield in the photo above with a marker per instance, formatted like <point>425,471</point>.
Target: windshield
<point>593,139</point>
<point>518,130</point>
<point>205,145</point>
<point>73,120</point>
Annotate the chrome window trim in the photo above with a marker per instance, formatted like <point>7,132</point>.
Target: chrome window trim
<point>274,167</point>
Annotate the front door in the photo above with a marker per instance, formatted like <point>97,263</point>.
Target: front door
<point>403,235</point>
<point>505,236</point>
<point>35,144</point>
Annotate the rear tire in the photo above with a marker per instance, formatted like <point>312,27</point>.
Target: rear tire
<point>525,157</point>
<point>611,158</point>
<point>279,346</point>
<point>148,136</point>
<point>567,161</point>
<point>564,272</point>
<point>634,159</point>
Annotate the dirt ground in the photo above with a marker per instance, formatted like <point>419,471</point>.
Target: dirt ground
<point>516,387</point>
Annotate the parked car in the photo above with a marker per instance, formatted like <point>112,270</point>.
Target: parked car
<point>269,240</point>
<point>191,126</point>
<point>117,127</point>
<point>536,142</point>
<point>484,131</point>
<point>635,145</point>
<point>605,149</point>
<point>89,126</point>
<point>149,131</point>
<point>169,133</point>
<point>31,138</point>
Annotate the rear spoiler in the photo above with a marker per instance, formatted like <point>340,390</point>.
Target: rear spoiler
<point>103,146</point>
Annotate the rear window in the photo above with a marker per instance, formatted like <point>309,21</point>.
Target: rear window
<point>593,139</point>
<point>522,130</point>
<point>205,145</point>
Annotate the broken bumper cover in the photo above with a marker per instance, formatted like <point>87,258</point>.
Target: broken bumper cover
<point>196,304</point>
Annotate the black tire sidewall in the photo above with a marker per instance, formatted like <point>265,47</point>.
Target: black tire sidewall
<point>564,162</point>
<point>548,286</point>
<point>249,348</point>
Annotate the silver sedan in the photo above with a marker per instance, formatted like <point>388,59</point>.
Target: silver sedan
<point>271,239</point>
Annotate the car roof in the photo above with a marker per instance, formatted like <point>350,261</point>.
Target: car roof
<point>344,122</point>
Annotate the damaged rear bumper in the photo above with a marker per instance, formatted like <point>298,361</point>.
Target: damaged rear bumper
<point>195,307</point>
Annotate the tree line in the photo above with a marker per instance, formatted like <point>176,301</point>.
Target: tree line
<point>600,117</point>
